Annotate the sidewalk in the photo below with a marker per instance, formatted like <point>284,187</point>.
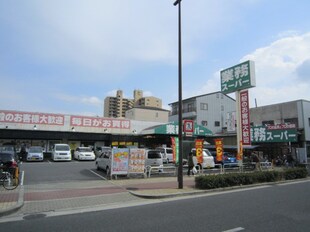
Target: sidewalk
<point>11,200</point>
<point>80,194</point>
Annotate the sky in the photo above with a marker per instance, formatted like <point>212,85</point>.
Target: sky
<point>65,57</point>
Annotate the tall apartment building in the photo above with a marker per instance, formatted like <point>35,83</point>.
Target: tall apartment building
<point>116,107</point>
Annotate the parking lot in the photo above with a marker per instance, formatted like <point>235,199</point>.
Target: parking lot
<point>83,171</point>
<point>61,172</point>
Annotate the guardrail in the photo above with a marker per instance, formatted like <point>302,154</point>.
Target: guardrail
<point>223,168</point>
<point>266,165</point>
<point>230,166</point>
<point>201,170</point>
<point>160,170</point>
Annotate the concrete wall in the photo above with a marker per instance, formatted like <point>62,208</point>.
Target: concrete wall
<point>151,115</point>
<point>277,112</point>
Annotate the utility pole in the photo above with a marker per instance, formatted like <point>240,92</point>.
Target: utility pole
<point>180,134</point>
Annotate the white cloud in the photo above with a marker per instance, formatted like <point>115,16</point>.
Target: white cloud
<point>282,71</point>
<point>86,100</point>
<point>280,67</point>
<point>91,101</point>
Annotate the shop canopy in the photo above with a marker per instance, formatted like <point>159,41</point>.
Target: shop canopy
<point>173,129</point>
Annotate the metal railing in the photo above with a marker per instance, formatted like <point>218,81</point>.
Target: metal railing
<point>160,170</point>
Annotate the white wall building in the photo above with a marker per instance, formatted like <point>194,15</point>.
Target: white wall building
<point>209,110</point>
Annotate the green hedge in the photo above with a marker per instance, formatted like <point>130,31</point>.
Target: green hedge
<point>235,179</point>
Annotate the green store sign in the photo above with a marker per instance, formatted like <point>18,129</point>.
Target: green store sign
<point>238,77</point>
<point>273,134</point>
<point>173,129</point>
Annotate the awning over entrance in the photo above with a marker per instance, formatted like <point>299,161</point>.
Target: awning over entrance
<point>173,129</point>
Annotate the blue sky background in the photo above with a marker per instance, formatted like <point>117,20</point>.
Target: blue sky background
<point>66,56</point>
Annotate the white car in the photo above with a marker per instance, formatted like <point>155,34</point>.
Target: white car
<point>35,153</point>
<point>207,159</point>
<point>99,150</point>
<point>104,161</point>
<point>84,153</point>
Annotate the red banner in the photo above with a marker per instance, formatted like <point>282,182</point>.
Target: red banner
<point>31,118</point>
<point>199,149</point>
<point>99,122</point>
<point>245,118</point>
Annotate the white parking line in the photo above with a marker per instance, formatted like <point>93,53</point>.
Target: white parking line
<point>97,174</point>
<point>22,179</point>
<point>234,230</point>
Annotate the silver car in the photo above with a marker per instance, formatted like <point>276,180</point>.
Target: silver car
<point>35,153</point>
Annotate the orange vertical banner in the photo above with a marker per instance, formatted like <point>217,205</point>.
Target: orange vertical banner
<point>240,154</point>
<point>199,148</point>
<point>175,149</point>
<point>219,149</point>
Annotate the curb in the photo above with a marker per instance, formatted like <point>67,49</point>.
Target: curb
<point>145,195</point>
<point>166,195</point>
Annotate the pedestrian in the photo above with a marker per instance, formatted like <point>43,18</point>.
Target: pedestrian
<point>23,153</point>
<point>257,162</point>
<point>190,163</point>
<point>290,160</point>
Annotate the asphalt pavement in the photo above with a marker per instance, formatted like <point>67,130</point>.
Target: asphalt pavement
<point>37,198</point>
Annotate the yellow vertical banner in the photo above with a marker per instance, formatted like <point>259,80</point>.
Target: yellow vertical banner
<point>175,149</point>
<point>219,149</point>
<point>199,149</point>
<point>240,153</point>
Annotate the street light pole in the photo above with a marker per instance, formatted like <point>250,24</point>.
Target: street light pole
<point>180,134</point>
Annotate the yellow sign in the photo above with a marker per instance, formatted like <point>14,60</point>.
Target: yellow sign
<point>240,154</point>
<point>199,150</point>
<point>219,149</point>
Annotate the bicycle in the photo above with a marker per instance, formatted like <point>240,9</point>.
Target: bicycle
<point>9,177</point>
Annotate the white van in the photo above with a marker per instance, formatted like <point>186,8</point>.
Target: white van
<point>61,152</point>
<point>167,154</point>
<point>207,159</point>
<point>154,158</point>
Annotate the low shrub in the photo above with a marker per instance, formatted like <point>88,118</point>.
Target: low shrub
<point>295,173</point>
<point>235,179</point>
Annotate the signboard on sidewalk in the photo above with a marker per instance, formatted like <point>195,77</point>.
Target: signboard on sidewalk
<point>119,161</point>
<point>136,161</point>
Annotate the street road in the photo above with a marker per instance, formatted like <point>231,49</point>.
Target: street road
<point>284,207</point>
